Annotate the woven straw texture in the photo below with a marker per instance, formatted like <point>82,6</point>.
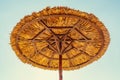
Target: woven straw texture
<point>40,38</point>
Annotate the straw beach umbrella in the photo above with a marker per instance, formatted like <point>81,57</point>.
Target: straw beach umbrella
<point>59,38</point>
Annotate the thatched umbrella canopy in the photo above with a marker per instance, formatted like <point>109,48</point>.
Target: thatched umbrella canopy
<point>59,38</point>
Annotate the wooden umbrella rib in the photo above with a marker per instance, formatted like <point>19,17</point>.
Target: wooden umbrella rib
<point>42,22</point>
<point>82,34</point>
<point>67,50</point>
<point>38,34</point>
<point>60,27</point>
<point>75,55</point>
<point>39,52</point>
<point>72,28</point>
<point>66,47</point>
<point>81,40</point>
<point>51,46</point>
<point>82,51</point>
<point>86,53</point>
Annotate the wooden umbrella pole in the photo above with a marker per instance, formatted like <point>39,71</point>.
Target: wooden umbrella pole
<point>60,67</point>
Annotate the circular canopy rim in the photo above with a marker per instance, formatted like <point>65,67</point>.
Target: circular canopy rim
<point>61,11</point>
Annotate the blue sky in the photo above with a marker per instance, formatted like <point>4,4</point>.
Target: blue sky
<point>106,68</point>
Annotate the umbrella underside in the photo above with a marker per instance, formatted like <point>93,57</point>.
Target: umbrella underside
<point>41,38</point>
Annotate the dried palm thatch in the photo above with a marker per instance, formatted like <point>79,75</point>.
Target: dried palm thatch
<point>40,38</point>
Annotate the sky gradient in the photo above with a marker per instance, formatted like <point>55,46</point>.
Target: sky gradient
<point>106,68</point>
